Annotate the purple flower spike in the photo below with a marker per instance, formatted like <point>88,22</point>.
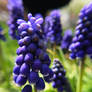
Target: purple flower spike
<point>82,41</point>
<point>32,59</point>
<point>66,41</point>
<point>16,11</point>
<point>53,28</point>
<point>59,76</point>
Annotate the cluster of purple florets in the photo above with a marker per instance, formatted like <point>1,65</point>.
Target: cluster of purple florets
<point>82,41</point>
<point>66,40</point>
<point>2,37</point>
<point>59,76</point>
<point>32,58</point>
<point>53,28</point>
<point>16,12</point>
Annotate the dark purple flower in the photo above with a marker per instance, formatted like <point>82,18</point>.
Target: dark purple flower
<point>33,77</point>
<point>16,70</point>
<point>59,76</point>
<point>82,42</point>
<point>32,56</point>
<point>40,85</point>
<point>66,41</point>
<point>15,77</point>
<point>27,88</point>
<point>2,37</point>
<point>53,28</point>
<point>21,80</point>
<point>16,11</point>
<point>25,69</point>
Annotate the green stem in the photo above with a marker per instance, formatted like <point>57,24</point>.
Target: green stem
<point>35,90</point>
<point>63,59</point>
<point>1,54</point>
<point>81,72</point>
<point>54,50</point>
<point>1,57</point>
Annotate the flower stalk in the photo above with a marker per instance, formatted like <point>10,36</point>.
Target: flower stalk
<point>1,54</point>
<point>35,90</point>
<point>80,78</point>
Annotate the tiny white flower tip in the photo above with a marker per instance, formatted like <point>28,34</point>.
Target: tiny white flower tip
<point>71,58</point>
<point>78,58</point>
<point>19,27</point>
<point>18,85</point>
<point>30,28</point>
<point>69,49</point>
<point>39,21</point>
<point>56,59</point>
<point>33,18</point>
<point>15,74</point>
<point>19,21</point>
<point>29,15</point>
<point>57,64</point>
<point>38,25</point>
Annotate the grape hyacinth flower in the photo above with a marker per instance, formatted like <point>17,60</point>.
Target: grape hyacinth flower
<point>82,42</point>
<point>2,37</point>
<point>66,40</point>
<point>59,76</point>
<point>53,28</point>
<point>16,11</point>
<point>32,59</point>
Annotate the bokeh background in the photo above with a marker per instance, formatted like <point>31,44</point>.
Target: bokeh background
<point>8,50</point>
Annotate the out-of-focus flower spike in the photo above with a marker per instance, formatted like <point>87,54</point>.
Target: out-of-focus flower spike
<point>16,11</point>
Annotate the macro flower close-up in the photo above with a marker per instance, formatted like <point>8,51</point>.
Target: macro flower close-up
<point>46,47</point>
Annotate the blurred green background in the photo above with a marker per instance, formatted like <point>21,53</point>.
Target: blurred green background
<point>8,52</point>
